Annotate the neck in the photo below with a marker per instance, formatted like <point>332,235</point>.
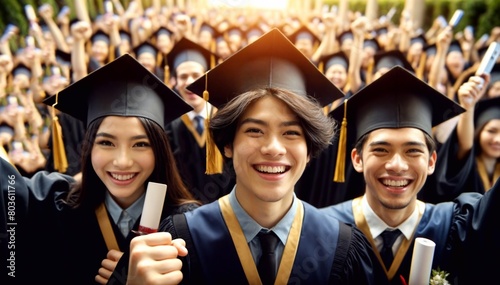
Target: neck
<point>267,214</point>
<point>489,163</point>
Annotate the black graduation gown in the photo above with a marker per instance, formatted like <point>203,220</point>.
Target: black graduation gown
<point>191,162</point>
<point>465,232</point>
<point>213,259</point>
<point>56,244</point>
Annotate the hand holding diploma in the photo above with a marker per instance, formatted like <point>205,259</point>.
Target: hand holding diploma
<point>421,262</point>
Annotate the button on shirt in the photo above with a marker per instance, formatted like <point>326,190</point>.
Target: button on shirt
<point>124,218</point>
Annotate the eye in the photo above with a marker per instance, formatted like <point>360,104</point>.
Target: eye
<point>104,142</point>
<point>293,133</point>
<point>253,130</point>
<point>379,150</point>
<point>142,144</point>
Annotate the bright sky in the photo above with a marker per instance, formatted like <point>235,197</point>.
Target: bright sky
<point>264,4</point>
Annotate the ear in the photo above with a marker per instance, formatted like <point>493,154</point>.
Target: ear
<point>228,151</point>
<point>432,163</point>
<point>357,160</point>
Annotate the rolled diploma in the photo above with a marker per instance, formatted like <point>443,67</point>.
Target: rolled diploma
<point>421,262</point>
<point>153,206</point>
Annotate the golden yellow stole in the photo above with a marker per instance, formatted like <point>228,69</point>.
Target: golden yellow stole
<point>105,225</point>
<point>200,139</point>
<point>361,223</point>
<point>483,174</point>
<point>243,250</point>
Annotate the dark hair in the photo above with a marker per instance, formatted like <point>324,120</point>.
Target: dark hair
<point>319,129</point>
<point>90,192</point>
<point>429,141</point>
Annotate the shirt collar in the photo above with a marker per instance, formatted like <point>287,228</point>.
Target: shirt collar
<point>377,225</point>
<point>135,210</point>
<point>251,228</point>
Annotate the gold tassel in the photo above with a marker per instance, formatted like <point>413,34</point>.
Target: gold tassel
<point>339,175</point>
<point>321,67</point>
<point>214,163</point>
<point>60,159</point>
<point>420,72</point>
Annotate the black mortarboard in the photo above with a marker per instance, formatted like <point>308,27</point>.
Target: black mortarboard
<point>21,69</point>
<point>397,99</point>
<point>187,50</point>
<point>303,32</point>
<point>430,50</point>
<point>99,35</point>
<point>270,61</point>
<point>485,111</point>
<point>327,61</point>
<point>113,90</point>
<point>371,42</point>
<point>389,59</point>
<point>455,46</point>
<point>63,57</point>
<point>420,39</point>
<point>125,36</point>
<point>345,35</point>
<point>163,31</point>
<point>145,47</point>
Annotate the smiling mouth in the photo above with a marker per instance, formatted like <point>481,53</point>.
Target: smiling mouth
<point>271,169</point>
<point>123,177</point>
<point>395,183</point>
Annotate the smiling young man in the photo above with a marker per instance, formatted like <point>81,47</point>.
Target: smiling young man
<point>392,119</point>
<point>269,128</point>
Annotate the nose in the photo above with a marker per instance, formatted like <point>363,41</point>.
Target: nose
<point>273,147</point>
<point>397,164</point>
<point>123,159</point>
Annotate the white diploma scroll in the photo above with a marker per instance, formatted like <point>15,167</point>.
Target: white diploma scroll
<point>421,262</point>
<point>153,206</point>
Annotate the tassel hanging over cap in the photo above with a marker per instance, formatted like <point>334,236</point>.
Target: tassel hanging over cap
<point>59,152</point>
<point>214,163</point>
<point>339,175</point>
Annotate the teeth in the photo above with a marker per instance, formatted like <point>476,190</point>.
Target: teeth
<point>395,183</point>
<point>271,169</point>
<point>122,177</point>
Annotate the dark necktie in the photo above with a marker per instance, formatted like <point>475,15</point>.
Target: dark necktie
<point>267,265</point>
<point>199,124</point>
<point>389,237</point>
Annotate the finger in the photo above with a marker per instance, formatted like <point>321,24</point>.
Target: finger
<point>180,245</point>
<point>101,280</point>
<point>109,264</point>
<point>104,273</point>
<point>159,238</point>
<point>114,254</point>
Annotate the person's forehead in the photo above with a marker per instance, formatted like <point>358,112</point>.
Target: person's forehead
<point>189,67</point>
<point>399,135</point>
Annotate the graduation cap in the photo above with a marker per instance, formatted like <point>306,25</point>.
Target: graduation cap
<point>389,59</point>
<point>398,99</point>
<point>455,46</point>
<point>346,35</point>
<point>21,69</point>
<point>100,35</point>
<point>186,50</point>
<point>430,49</point>
<point>420,39</point>
<point>485,111</point>
<point>338,58</point>
<point>272,61</point>
<point>125,36</point>
<point>304,33</point>
<point>114,90</point>
<point>371,43</point>
<point>63,57</point>
<point>253,32</point>
<point>145,47</point>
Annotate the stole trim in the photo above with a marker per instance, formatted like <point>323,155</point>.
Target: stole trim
<point>483,174</point>
<point>361,223</point>
<point>200,139</point>
<point>243,250</point>
<point>105,225</point>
